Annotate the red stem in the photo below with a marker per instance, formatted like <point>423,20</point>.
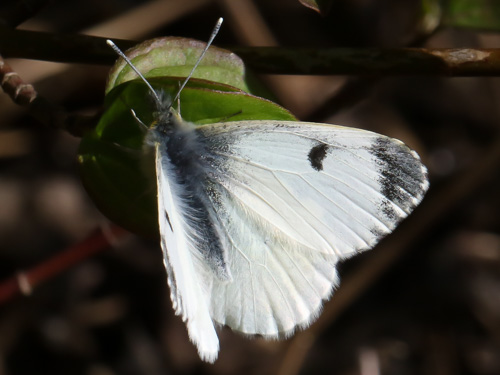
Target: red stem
<point>24,282</point>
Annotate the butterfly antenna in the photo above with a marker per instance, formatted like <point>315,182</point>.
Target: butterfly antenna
<point>215,31</point>
<point>127,60</point>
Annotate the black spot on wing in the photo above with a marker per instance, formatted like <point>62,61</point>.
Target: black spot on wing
<point>317,155</point>
<point>402,177</point>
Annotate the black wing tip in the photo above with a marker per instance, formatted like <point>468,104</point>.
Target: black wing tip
<point>403,177</point>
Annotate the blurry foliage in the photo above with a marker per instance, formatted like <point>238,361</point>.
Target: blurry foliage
<point>474,14</point>
<point>467,14</point>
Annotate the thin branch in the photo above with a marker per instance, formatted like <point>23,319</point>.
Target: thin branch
<point>356,88</point>
<point>68,48</point>
<point>47,113</point>
<point>373,61</point>
<point>25,281</point>
<point>20,92</point>
<point>273,60</point>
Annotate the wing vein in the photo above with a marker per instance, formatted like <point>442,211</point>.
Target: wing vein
<point>371,188</point>
<point>243,161</point>
<point>255,194</point>
<point>250,267</point>
<point>337,219</point>
<point>281,291</point>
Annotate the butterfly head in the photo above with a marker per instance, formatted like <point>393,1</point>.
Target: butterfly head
<point>166,118</point>
<point>163,108</point>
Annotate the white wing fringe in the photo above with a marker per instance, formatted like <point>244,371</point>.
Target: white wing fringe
<point>187,294</point>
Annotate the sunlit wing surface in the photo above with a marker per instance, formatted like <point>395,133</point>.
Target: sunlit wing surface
<point>278,204</point>
<point>293,199</point>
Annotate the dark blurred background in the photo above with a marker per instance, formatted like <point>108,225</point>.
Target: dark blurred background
<point>426,300</point>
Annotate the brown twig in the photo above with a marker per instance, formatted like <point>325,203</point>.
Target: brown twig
<point>25,281</point>
<point>69,48</point>
<point>47,113</point>
<point>274,60</point>
<point>357,88</point>
<point>20,92</point>
<point>373,61</point>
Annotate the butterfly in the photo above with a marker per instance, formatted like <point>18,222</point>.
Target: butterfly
<point>255,215</point>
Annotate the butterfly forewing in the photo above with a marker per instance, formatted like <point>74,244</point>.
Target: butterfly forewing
<point>292,199</point>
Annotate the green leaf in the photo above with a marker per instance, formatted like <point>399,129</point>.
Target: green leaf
<point>175,57</point>
<point>477,14</point>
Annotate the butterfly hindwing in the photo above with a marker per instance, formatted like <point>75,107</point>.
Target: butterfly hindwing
<point>182,261</point>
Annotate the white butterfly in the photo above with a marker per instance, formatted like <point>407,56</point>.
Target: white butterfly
<point>255,215</point>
